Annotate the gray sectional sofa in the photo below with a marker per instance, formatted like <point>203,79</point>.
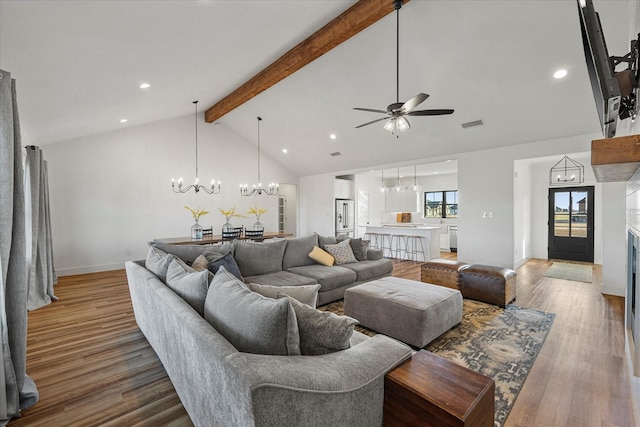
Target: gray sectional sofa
<point>287,263</point>
<point>222,386</point>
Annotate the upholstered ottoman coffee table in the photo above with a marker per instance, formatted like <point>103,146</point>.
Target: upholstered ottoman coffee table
<point>495,285</point>
<point>413,312</point>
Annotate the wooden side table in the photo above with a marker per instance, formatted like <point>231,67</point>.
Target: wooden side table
<point>428,390</point>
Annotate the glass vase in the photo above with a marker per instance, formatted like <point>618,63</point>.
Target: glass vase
<point>227,226</point>
<point>196,231</point>
<point>257,226</point>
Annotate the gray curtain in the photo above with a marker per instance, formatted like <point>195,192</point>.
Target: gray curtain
<point>41,276</point>
<point>19,391</point>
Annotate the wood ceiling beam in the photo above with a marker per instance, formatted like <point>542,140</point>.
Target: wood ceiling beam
<point>346,25</point>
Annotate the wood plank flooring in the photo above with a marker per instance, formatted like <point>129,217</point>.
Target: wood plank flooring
<point>93,366</point>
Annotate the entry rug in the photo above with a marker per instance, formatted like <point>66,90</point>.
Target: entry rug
<point>568,271</point>
<point>501,344</point>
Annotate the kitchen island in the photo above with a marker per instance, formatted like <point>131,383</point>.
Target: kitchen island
<point>429,234</point>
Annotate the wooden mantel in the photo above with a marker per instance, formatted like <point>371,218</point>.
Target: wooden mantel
<point>615,159</point>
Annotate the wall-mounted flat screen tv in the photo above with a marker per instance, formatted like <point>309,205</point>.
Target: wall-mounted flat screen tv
<point>606,90</point>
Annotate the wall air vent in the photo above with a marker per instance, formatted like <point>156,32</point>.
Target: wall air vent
<point>335,153</point>
<point>471,124</point>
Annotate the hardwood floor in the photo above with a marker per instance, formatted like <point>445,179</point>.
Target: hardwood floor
<point>93,366</point>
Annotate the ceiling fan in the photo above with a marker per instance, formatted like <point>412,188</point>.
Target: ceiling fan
<point>397,112</point>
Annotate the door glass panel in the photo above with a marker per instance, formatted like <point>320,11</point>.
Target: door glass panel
<point>561,214</point>
<point>578,214</point>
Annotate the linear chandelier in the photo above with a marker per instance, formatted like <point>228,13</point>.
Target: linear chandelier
<point>400,188</point>
<point>566,171</point>
<point>214,189</point>
<point>258,189</point>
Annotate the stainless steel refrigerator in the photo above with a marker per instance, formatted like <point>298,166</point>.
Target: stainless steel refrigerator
<point>345,217</point>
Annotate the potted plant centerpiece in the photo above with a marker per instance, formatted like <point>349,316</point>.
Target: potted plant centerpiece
<point>257,212</point>
<point>231,213</point>
<point>196,229</point>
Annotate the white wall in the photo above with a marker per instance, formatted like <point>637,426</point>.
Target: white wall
<point>486,184</point>
<point>317,205</point>
<point>522,215</point>
<point>614,249</point>
<point>111,193</point>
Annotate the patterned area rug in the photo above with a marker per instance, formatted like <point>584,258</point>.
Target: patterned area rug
<point>501,344</point>
<point>568,271</point>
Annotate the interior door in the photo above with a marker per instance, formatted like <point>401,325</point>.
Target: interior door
<point>571,223</point>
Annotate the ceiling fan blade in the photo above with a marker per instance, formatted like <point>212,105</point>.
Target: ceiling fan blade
<point>430,112</point>
<point>371,122</point>
<point>370,110</point>
<point>414,102</point>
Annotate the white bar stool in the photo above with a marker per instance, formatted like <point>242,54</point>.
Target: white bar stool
<point>411,251</point>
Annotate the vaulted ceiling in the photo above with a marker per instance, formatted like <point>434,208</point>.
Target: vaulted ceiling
<point>78,65</point>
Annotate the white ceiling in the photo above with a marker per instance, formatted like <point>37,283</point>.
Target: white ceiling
<point>78,65</point>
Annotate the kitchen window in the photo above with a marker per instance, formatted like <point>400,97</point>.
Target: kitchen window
<point>441,204</point>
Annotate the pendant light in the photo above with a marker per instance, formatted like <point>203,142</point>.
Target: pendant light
<point>382,188</point>
<point>258,189</point>
<point>566,171</point>
<point>214,189</point>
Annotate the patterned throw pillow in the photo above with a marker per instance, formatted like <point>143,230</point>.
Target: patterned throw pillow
<point>342,252</point>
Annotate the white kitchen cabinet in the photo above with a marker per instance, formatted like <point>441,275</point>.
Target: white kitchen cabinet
<point>343,189</point>
<point>401,201</point>
<point>444,239</point>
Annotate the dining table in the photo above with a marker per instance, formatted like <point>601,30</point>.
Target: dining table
<point>216,238</point>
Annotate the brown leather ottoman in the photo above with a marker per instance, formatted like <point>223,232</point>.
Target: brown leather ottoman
<point>495,285</point>
<point>442,272</point>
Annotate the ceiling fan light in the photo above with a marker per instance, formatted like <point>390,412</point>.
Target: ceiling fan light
<point>402,124</point>
<point>390,125</point>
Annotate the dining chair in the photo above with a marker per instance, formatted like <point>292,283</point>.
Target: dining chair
<point>228,236</point>
<point>207,231</point>
<point>254,235</point>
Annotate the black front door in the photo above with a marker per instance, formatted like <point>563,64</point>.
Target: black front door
<point>571,223</point>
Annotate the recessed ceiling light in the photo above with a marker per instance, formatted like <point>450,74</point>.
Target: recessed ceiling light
<point>332,136</point>
<point>284,150</point>
<point>560,74</point>
<point>123,120</point>
<point>144,85</point>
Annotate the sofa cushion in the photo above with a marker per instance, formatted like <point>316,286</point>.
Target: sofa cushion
<point>224,260</point>
<point>158,262</point>
<point>187,253</point>
<point>328,277</point>
<point>359,248</point>
<point>297,251</point>
<point>251,322</point>
<point>281,278</point>
<point>322,332</point>
<point>306,294</point>
<point>341,252</point>
<point>257,258</point>
<point>326,240</point>
<point>368,270</point>
<point>190,284</point>
<point>321,256</point>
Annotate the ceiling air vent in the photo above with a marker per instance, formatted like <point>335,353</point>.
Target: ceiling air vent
<point>335,153</point>
<point>471,124</point>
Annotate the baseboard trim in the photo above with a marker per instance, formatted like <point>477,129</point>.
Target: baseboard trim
<point>93,269</point>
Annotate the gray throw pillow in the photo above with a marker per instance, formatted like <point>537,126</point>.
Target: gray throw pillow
<point>322,332</point>
<point>306,294</point>
<point>356,247</point>
<point>228,262</point>
<point>251,322</point>
<point>158,262</point>
<point>191,285</point>
<point>341,252</point>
